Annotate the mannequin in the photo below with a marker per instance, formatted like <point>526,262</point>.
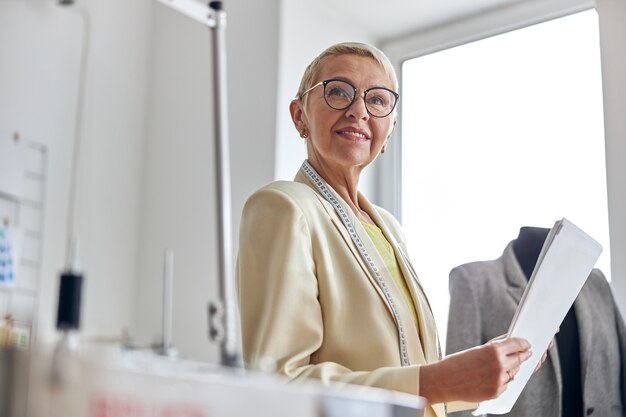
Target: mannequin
<point>585,375</point>
<point>527,248</point>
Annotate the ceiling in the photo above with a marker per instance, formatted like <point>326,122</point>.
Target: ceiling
<point>390,19</point>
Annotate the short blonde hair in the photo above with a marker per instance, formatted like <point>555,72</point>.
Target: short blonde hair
<point>346,48</point>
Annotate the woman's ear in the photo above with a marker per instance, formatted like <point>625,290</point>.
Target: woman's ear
<point>297,114</point>
<point>393,127</point>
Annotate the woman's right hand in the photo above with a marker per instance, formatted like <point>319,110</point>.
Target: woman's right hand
<point>475,374</point>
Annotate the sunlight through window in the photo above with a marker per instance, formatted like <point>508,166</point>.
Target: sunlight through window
<point>497,134</point>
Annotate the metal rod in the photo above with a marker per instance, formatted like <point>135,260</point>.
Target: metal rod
<point>168,281</point>
<point>72,259</point>
<point>229,355</point>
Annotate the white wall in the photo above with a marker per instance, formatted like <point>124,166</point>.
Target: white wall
<point>40,46</point>
<point>178,209</point>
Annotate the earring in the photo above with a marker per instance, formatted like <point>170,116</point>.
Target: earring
<point>304,134</point>
<point>383,149</point>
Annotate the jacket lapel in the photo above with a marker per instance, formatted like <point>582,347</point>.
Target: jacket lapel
<point>428,329</point>
<point>427,348</point>
<point>515,278</point>
<point>429,339</point>
<point>342,230</point>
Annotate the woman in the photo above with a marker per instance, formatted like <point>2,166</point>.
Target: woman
<point>326,289</point>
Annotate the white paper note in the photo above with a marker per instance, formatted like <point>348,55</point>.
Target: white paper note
<point>566,259</point>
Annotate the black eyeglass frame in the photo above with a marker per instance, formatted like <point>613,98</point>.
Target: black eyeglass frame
<point>356,91</point>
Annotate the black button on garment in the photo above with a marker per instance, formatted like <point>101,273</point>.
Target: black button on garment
<point>590,411</point>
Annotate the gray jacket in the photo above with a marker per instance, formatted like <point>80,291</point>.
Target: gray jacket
<point>483,299</point>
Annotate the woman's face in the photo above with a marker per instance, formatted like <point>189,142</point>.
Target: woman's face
<point>350,138</point>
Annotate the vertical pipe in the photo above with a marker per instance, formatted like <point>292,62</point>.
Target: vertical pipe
<point>168,281</point>
<point>228,347</point>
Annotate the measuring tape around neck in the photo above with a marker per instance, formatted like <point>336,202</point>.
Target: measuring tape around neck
<point>324,189</point>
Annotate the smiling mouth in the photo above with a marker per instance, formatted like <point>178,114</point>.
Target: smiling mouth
<point>355,135</point>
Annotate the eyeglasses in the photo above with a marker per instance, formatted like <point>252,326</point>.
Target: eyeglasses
<point>339,95</point>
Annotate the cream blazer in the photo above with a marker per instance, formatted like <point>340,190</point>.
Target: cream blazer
<point>309,302</point>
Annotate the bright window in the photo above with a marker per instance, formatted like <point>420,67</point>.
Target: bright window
<point>497,134</point>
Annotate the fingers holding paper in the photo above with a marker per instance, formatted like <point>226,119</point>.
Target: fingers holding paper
<point>476,374</point>
<point>514,352</point>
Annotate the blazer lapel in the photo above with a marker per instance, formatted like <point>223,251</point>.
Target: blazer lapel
<point>515,278</point>
<point>428,329</point>
<point>429,339</point>
<point>343,231</point>
<point>355,252</point>
<point>406,319</point>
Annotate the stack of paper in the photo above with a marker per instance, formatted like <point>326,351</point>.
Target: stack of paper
<point>566,259</point>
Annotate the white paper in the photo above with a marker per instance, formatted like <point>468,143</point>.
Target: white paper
<point>566,259</point>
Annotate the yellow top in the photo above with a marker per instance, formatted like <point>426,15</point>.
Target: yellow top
<point>386,252</point>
